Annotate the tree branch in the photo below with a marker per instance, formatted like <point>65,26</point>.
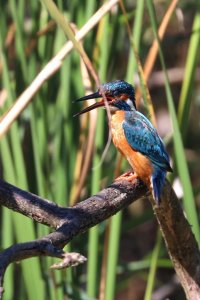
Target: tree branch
<point>180,241</point>
<point>69,222</point>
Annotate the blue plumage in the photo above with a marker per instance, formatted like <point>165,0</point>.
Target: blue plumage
<point>131,128</point>
<point>143,137</point>
<point>157,181</point>
<point>117,88</point>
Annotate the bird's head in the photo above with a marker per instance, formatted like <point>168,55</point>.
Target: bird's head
<point>120,95</point>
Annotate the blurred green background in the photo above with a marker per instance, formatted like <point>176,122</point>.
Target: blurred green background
<point>45,150</point>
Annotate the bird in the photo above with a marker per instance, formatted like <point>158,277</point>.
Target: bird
<point>133,135</point>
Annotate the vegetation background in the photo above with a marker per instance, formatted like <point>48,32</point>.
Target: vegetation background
<point>50,153</point>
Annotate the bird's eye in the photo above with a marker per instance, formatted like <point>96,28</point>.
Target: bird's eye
<point>116,93</point>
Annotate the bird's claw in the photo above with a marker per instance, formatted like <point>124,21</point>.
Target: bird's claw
<point>129,176</point>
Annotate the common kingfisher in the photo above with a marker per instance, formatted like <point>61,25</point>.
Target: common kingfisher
<point>133,135</point>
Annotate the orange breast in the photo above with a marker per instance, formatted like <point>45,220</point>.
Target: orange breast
<point>141,164</point>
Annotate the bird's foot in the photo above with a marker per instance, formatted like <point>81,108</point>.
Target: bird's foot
<point>129,176</point>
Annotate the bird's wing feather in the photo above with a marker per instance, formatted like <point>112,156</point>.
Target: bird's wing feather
<point>143,137</point>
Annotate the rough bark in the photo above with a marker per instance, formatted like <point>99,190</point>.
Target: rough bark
<point>71,221</point>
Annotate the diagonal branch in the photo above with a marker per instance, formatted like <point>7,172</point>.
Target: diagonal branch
<point>71,221</point>
<point>68,222</point>
<point>180,241</point>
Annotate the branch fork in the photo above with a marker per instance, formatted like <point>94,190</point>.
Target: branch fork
<point>71,221</point>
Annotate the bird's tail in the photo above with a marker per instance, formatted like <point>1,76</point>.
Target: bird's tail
<point>157,184</point>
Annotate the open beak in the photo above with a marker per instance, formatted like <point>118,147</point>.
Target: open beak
<point>91,107</point>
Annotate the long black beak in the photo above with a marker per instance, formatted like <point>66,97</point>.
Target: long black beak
<point>91,107</point>
<point>88,97</point>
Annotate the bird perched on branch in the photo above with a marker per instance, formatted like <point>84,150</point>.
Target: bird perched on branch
<point>133,135</point>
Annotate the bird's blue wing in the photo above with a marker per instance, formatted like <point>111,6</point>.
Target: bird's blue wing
<point>143,137</point>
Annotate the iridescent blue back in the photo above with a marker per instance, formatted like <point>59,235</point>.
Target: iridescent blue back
<point>143,137</point>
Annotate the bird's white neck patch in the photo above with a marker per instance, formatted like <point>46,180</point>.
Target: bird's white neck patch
<point>130,103</point>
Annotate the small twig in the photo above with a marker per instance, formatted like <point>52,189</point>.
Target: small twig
<point>71,259</point>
